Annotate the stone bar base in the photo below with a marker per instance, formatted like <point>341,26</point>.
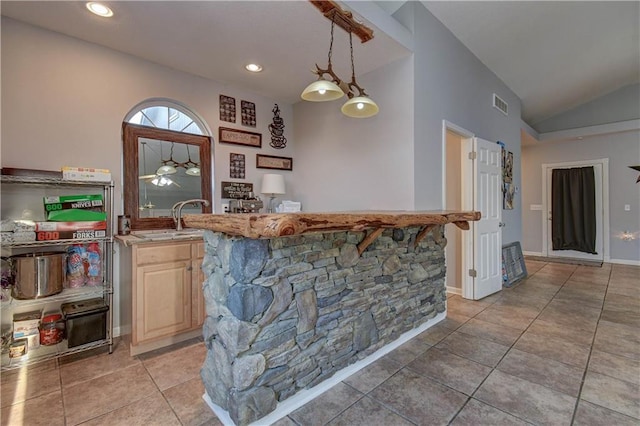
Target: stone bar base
<point>284,314</point>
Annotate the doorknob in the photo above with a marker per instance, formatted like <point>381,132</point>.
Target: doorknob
<point>502,224</point>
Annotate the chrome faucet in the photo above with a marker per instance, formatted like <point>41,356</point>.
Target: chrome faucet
<point>176,210</point>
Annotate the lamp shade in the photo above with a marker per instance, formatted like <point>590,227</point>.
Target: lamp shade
<point>272,184</point>
<point>360,107</point>
<point>166,170</point>
<point>322,90</point>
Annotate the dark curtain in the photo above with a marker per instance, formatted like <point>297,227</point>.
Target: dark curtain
<point>573,209</point>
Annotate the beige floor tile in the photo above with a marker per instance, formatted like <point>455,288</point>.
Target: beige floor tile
<point>419,399</point>
<point>186,401</point>
<point>541,404</point>
<point>372,375</point>
<point>101,395</point>
<point>44,410</point>
<point>89,368</point>
<point>434,334</point>
<point>451,370</point>
<point>474,348</point>
<point>618,339</point>
<point>407,352</point>
<point>612,393</point>
<point>469,308</point>
<point>572,334</point>
<point>631,319</point>
<point>494,332</point>
<point>152,410</point>
<point>589,414</point>
<point>477,413</point>
<point>26,383</point>
<point>620,367</point>
<point>454,321</point>
<point>179,366</point>
<point>554,349</point>
<point>368,412</point>
<point>285,421</point>
<point>552,374</point>
<point>327,406</point>
<point>512,317</point>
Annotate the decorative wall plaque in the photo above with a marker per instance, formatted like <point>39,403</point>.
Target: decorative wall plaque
<point>239,137</point>
<point>236,190</point>
<point>236,166</point>
<point>273,162</point>
<point>278,141</point>
<point>248,111</point>
<point>227,109</point>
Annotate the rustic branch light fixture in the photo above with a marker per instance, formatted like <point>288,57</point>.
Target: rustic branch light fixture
<point>359,105</point>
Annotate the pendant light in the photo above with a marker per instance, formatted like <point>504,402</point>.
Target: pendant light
<point>323,90</point>
<point>360,106</point>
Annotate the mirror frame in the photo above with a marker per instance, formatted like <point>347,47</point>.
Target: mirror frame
<point>131,183</point>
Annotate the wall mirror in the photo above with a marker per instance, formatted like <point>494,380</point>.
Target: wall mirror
<point>162,167</point>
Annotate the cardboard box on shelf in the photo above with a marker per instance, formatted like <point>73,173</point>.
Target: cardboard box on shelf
<point>26,323</point>
<point>46,231</point>
<point>82,201</point>
<point>86,174</point>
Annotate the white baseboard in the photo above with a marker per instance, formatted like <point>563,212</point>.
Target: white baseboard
<point>607,260</point>
<point>454,290</point>
<point>298,400</point>
<point>625,262</point>
<point>121,331</point>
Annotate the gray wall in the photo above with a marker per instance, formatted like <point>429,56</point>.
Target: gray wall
<point>452,84</point>
<point>620,105</point>
<point>622,150</point>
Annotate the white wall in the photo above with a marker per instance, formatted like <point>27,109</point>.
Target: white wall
<point>63,102</point>
<point>359,164</point>
<point>622,150</point>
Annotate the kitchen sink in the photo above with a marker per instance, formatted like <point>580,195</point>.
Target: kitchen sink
<point>184,234</point>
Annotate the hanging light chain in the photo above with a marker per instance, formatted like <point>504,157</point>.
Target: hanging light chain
<point>353,67</point>
<point>333,24</point>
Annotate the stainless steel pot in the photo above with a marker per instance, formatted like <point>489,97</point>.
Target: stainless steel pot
<point>38,274</point>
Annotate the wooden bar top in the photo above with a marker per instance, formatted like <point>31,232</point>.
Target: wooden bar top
<point>270,225</point>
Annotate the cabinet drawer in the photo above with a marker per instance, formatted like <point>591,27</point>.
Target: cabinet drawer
<point>163,253</point>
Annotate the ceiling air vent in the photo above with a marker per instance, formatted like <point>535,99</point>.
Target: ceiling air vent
<point>500,105</point>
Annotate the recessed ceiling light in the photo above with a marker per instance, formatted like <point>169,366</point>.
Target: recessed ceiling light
<point>99,9</point>
<point>253,67</point>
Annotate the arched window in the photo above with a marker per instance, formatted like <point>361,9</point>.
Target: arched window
<point>167,114</point>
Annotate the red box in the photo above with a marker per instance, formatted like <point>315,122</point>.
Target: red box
<point>46,231</point>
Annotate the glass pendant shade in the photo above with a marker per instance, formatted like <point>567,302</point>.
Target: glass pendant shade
<point>193,171</point>
<point>360,107</point>
<point>322,90</point>
<point>166,170</point>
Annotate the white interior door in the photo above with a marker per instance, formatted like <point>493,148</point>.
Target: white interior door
<point>597,169</point>
<point>487,232</point>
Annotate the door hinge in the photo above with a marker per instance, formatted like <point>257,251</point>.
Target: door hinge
<point>473,273</point>
<point>473,155</point>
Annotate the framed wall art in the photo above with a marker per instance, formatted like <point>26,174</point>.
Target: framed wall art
<point>248,112</point>
<point>227,109</point>
<point>239,137</point>
<point>273,162</point>
<point>236,166</point>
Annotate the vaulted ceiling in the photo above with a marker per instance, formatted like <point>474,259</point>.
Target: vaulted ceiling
<point>553,55</point>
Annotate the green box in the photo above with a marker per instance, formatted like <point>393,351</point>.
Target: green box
<point>64,202</point>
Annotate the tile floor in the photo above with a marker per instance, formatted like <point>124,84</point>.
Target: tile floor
<point>562,347</point>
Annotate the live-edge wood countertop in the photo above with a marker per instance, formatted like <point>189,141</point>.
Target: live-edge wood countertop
<point>270,225</point>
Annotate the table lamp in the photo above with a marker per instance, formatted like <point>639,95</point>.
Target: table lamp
<point>271,185</point>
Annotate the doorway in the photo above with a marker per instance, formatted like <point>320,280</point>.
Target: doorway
<point>601,173</point>
<point>472,180</point>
